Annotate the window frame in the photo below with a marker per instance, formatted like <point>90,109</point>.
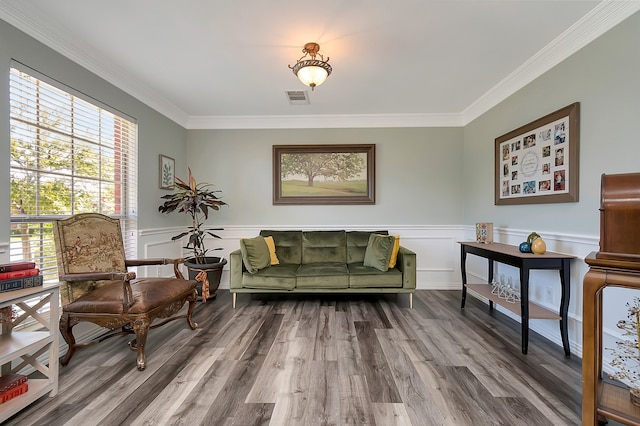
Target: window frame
<point>123,150</point>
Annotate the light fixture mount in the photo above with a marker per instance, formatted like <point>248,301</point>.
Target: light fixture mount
<point>312,72</point>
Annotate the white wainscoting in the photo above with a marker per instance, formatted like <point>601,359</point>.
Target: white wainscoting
<point>4,252</point>
<point>436,248</point>
<point>438,267</point>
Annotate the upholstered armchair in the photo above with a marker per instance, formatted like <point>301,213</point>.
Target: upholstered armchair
<point>97,287</point>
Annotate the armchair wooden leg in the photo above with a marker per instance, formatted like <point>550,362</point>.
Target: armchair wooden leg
<point>192,305</point>
<point>67,335</point>
<point>141,328</point>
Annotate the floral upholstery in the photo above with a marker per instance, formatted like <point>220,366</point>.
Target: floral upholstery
<point>97,287</point>
<point>84,244</point>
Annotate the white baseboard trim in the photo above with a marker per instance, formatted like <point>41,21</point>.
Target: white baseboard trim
<point>438,262</point>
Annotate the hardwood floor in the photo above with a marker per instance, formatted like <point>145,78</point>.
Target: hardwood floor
<point>322,360</point>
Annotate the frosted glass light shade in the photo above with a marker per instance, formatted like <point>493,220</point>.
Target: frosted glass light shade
<point>312,72</point>
<point>312,76</point>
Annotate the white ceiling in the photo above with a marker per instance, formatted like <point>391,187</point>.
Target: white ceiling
<point>217,64</point>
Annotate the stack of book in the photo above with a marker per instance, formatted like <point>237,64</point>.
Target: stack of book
<point>12,385</point>
<point>19,275</point>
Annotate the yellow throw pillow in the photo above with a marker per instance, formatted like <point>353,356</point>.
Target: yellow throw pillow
<point>272,250</point>
<point>394,253</point>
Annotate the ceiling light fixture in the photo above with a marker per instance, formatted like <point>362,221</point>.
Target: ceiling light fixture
<point>312,72</point>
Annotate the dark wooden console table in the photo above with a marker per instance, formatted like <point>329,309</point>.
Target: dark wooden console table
<point>510,255</point>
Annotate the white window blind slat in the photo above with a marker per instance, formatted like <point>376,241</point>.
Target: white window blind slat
<point>68,156</point>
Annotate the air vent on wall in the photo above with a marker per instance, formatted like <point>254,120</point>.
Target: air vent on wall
<point>297,97</point>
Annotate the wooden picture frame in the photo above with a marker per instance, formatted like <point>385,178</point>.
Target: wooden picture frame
<point>167,172</point>
<point>324,174</point>
<point>538,162</point>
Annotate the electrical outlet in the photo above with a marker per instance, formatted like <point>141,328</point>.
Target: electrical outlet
<point>548,294</point>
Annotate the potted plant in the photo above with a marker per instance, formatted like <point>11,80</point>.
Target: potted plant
<point>196,200</point>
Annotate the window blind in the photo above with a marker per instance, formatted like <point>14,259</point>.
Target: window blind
<point>68,155</point>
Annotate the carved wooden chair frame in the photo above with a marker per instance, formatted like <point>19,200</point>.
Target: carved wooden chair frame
<point>122,321</point>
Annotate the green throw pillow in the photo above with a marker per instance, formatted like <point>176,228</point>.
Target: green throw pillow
<point>255,254</point>
<point>379,251</point>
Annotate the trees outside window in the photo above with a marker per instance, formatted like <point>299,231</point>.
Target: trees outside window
<point>68,156</point>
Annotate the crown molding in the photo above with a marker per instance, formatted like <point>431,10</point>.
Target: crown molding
<point>606,15</point>
<point>107,71</point>
<point>598,21</point>
<point>324,121</point>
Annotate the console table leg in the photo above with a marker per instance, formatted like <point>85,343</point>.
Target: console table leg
<point>463,270</point>
<point>565,281</point>
<point>524,307</point>
<point>490,281</point>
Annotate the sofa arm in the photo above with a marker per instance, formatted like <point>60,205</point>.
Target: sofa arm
<point>407,264</point>
<point>236,267</point>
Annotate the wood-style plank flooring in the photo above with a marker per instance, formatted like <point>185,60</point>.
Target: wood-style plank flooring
<point>322,360</point>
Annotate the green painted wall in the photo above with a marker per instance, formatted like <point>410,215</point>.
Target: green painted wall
<point>418,175</point>
<point>157,134</point>
<point>604,78</point>
<point>425,176</point>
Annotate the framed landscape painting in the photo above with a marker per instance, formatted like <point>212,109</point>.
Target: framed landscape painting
<point>324,174</point>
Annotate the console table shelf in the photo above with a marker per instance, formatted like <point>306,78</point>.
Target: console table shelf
<point>510,255</point>
<point>535,311</point>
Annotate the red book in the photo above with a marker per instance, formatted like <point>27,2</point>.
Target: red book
<point>10,381</point>
<point>16,266</point>
<point>19,274</point>
<point>12,393</point>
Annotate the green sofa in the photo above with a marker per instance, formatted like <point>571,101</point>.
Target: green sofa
<point>323,262</point>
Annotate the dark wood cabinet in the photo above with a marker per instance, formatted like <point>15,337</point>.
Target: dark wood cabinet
<point>599,398</point>
<point>617,264</point>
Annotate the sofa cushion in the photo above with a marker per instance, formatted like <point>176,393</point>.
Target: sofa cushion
<point>361,276</point>
<point>379,250</point>
<point>277,277</point>
<point>357,242</point>
<point>323,275</point>
<point>324,246</point>
<point>148,294</point>
<point>255,254</point>
<point>272,250</point>
<point>288,245</point>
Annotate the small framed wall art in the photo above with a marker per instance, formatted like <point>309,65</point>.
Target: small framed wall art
<point>484,232</point>
<point>167,172</point>
<point>538,162</point>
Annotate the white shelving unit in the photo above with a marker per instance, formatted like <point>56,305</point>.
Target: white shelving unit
<point>21,349</point>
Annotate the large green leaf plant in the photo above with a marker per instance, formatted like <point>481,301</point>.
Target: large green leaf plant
<point>196,200</point>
